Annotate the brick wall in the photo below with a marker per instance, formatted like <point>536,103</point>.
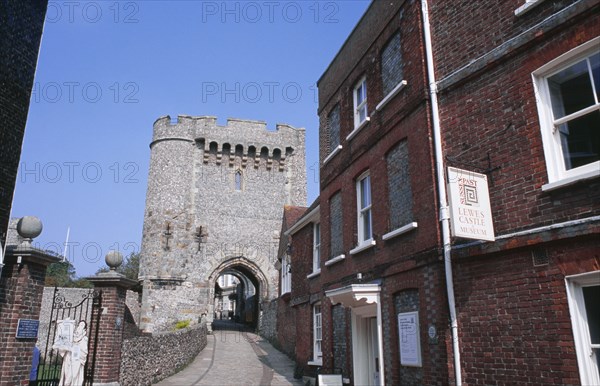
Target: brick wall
<point>495,112</point>
<point>514,321</point>
<point>286,328</point>
<point>514,316</point>
<point>21,25</point>
<point>21,288</point>
<point>108,358</point>
<point>395,147</point>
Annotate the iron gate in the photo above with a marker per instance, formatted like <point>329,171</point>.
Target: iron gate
<point>65,317</point>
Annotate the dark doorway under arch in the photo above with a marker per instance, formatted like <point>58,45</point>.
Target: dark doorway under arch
<point>250,288</point>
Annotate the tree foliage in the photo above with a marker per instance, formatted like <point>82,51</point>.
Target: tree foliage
<point>62,274</point>
<point>130,267</point>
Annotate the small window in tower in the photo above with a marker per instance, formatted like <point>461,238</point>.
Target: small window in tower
<point>238,180</point>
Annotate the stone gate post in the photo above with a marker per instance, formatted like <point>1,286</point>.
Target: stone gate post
<point>114,288</point>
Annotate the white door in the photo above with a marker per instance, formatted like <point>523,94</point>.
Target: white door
<point>583,293</point>
<point>374,349</point>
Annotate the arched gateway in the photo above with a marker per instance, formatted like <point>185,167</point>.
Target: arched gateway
<point>245,295</point>
<point>214,207</point>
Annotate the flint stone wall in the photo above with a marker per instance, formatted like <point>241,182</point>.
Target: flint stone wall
<point>199,222</point>
<point>150,358</point>
<point>268,321</point>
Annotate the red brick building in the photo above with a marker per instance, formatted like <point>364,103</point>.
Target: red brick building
<point>516,98</point>
<point>519,100</point>
<point>370,250</point>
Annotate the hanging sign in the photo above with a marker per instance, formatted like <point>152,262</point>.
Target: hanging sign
<point>470,210</point>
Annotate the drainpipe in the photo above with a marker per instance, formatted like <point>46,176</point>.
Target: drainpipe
<point>441,183</point>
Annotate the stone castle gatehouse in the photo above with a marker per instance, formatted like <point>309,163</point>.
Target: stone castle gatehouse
<point>214,206</point>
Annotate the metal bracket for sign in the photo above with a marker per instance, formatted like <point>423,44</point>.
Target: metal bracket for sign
<point>485,170</point>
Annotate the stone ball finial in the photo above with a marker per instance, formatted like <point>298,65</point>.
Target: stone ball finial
<point>29,227</point>
<point>113,259</point>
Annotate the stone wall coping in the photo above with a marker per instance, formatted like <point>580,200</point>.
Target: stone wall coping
<point>27,254</point>
<point>111,279</point>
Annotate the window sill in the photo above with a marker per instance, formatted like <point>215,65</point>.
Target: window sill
<point>400,231</point>
<point>332,154</point>
<point>391,94</point>
<point>358,128</point>
<point>334,260</point>
<point>315,363</point>
<point>314,274</point>
<point>528,6</point>
<point>570,181</point>
<point>364,246</point>
<point>286,296</point>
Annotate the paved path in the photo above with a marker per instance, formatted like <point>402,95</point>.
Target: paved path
<point>236,357</point>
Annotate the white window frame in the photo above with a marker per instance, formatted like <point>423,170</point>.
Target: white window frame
<point>286,275</point>
<point>557,174</point>
<point>363,105</point>
<point>586,352</point>
<point>360,212</point>
<point>527,6</point>
<point>316,247</point>
<point>317,335</point>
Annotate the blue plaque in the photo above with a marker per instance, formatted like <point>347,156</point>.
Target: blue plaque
<point>27,328</point>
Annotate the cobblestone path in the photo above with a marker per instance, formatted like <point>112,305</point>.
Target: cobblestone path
<point>234,357</point>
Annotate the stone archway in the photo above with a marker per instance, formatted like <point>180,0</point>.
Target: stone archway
<point>248,272</point>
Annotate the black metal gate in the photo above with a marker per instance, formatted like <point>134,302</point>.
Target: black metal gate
<point>65,321</point>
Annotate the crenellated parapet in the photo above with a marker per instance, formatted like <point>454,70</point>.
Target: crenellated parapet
<point>191,127</point>
<point>240,142</point>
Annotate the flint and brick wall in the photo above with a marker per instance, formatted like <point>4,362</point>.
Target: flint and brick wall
<point>149,358</point>
<point>395,147</point>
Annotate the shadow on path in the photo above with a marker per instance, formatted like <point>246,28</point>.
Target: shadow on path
<point>231,325</point>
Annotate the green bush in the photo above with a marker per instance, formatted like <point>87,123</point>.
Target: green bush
<point>182,324</point>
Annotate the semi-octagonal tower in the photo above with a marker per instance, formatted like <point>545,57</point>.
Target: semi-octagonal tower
<point>214,205</point>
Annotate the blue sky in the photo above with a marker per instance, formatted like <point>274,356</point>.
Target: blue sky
<point>108,69</point>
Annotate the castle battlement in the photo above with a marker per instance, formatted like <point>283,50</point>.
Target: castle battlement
<point>232,123</point>
<point>240,137</point>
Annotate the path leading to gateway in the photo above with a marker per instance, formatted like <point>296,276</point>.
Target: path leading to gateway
<point>233,357</point>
